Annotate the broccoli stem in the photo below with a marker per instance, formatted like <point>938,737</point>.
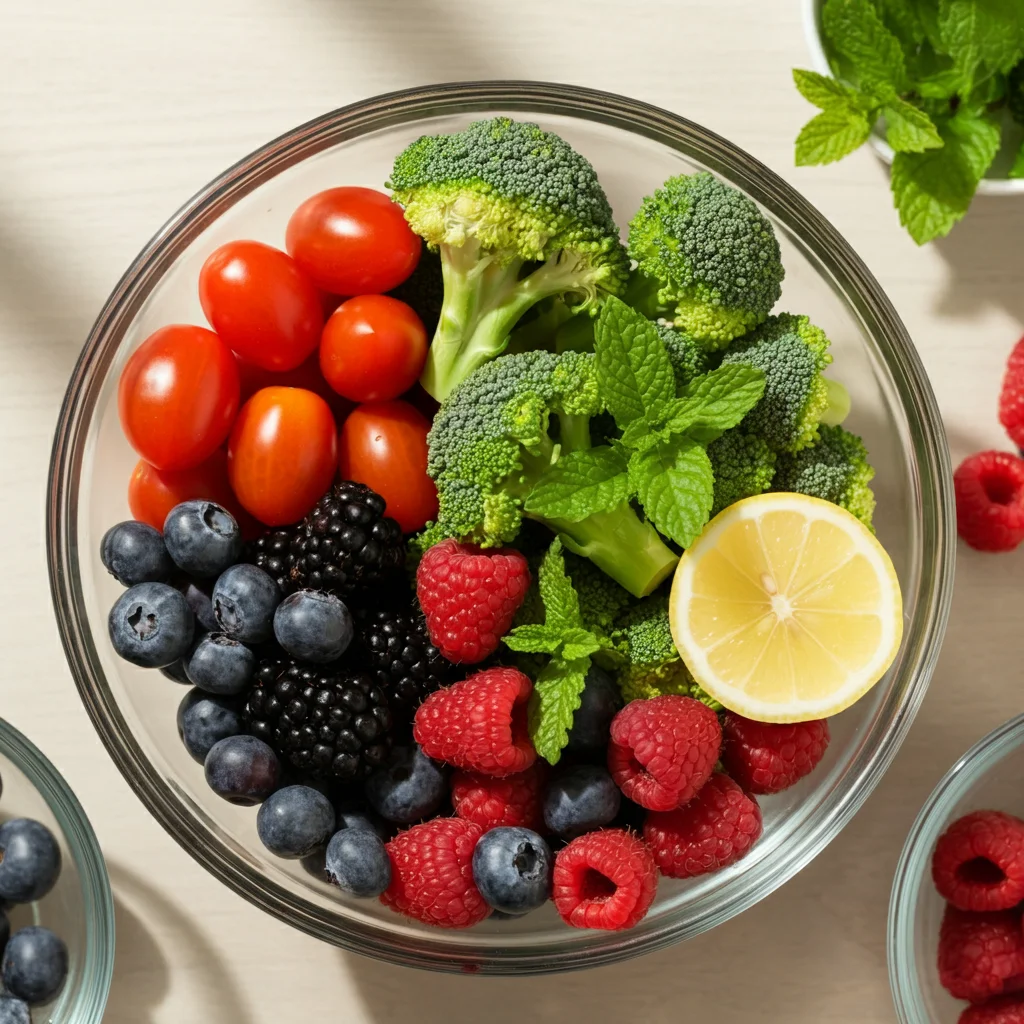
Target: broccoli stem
<point>574,432</point>
<point>838,404</point>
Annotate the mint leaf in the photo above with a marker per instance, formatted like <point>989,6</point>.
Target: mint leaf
<point>556,696</point>
<point>675,484</point>
<point>902,17</point>
<point>580,484</point>
<point>1017,170</point>
<point>826,92</point>
<point>982,33</point>
<point>579,643</point>
<point>640,434</point>
<point>633,369</point>
<point>858,33</point>
<point>534,638</point>
<point>561,605</point>
<point>830,136</point>
<point>908,129</point>
<point>718,400</point>
<point>942,85</point>
<point>932,190</point>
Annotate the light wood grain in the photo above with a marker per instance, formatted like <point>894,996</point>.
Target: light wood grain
<point>111,114</point>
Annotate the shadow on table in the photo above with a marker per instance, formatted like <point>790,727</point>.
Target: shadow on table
<point>141,974</point>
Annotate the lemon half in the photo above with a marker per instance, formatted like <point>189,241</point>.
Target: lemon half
<point>786,608</point>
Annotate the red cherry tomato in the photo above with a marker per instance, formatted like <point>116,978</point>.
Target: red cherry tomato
<point>352,240</point>
<point>178,396</point>
<point>261,304</point>
<point>282,454</point>
<point>307,376</point>
<point>373,348</point>
<point>384,445</point>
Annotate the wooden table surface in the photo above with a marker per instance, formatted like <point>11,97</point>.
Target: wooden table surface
<point>111,114</point>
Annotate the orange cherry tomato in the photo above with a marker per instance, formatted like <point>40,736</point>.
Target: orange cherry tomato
<point>384,445</point>
<point>282,454</point>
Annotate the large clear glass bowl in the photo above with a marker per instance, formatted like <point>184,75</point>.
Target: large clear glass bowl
<point>79,907</point>
<point>634,148</point>
<point>987,777</point>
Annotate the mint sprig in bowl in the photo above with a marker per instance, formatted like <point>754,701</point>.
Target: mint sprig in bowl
<point>936,87</point>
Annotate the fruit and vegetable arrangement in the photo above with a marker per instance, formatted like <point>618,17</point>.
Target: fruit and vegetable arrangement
<point>507,563</point>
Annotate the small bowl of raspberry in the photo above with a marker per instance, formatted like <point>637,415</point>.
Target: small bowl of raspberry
<point>956,939</point>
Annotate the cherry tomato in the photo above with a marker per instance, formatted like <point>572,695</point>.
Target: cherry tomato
<point>352,240</point>
<point>178,396</point>
<point>282,454</point>
<point>373,348</point>
<point>308,376</point>
<point>384,445</point>
<point>261,304</point>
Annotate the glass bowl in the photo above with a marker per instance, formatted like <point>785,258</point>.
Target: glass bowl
<point>634,148</point>
<point>988,776</point>
<point>79,908</point>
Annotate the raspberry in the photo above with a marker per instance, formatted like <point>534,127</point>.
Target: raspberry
<point>1001,1010</point>
<point>469,597</point>
<point>765,758</point>
<point>718,826</point>
<point>978,862</point>
<point>479,724</point>
<point>989,490</point>
<point>980,955</point>
<point>663,750</point>
<point>604,879</point>
<point>490,802</point>
<point>432,874</point>
<point>1011,397</point>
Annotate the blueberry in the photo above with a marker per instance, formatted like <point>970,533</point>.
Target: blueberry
<point>600,701</point>
<point>313,626</point>
<point>409,789</point>
<point>176,672</point>
<point>151,625</point>
<point>35,965</point>
<point>512,869</point>
<point>244,601</point>
<point>197,597</point>
<point>357,862</point>
<point>134,552</point>
<point>5,930</point>
<point>242,769</point>
<point>204,719</point>
<point>351,818</point>
<point>202,538</point>
<point>294,821</point>
<point>221,665</point>
<point>580,800</point>
<point>29,860</point>
<point>14,1011</point>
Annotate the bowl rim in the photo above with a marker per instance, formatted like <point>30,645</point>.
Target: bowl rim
<point>94,882</point>
<point>819,61</point>
<point>932,492</point>
<point>913,866</point>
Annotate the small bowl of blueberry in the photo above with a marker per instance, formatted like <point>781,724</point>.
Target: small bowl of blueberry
<point>56,910</point>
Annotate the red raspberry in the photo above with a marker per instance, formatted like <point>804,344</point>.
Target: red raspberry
<point>978,862</point>
<point>490,802</point>
<point>989,490</point>
<point>432,874</point>
<point>605,879</point>
<point>469,597</point>
<point>1001,1010</point>
<point>765,758</point>
<point>718,826</point>
<point>479,724</point>
<point>980,955</point>
<point>1011,398</point>
<point>663,750</point>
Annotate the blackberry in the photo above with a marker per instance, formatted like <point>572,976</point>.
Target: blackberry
<point>347,544</point>
<point>330,723</point>
<point>274,553</point>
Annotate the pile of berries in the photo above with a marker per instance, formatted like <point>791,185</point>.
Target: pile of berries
<point>978,868</point>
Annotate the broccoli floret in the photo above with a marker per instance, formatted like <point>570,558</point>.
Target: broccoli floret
<point>707,258</point>
<point>495,199</point>
<point>688,357</point>
<point>491,442</point>
<point>792,352</point>
<point>743,465</point>
<point>602,600</point>
<point>424,290</point>
<point>835,469</point>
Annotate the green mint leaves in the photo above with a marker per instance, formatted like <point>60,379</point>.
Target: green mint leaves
<point>859,34</point>
<point>660,458</point>
<point>562,636</point>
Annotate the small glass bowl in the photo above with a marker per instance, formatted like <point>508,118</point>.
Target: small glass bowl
<point>990,776</point>
<point>79,908</point>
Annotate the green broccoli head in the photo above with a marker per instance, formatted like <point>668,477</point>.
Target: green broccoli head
<point>602,600</point>
<point>792,352</point>
<point>743,465</point>
<point>835,469</point>
<point>688,357</point>
<point>712,255</point>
